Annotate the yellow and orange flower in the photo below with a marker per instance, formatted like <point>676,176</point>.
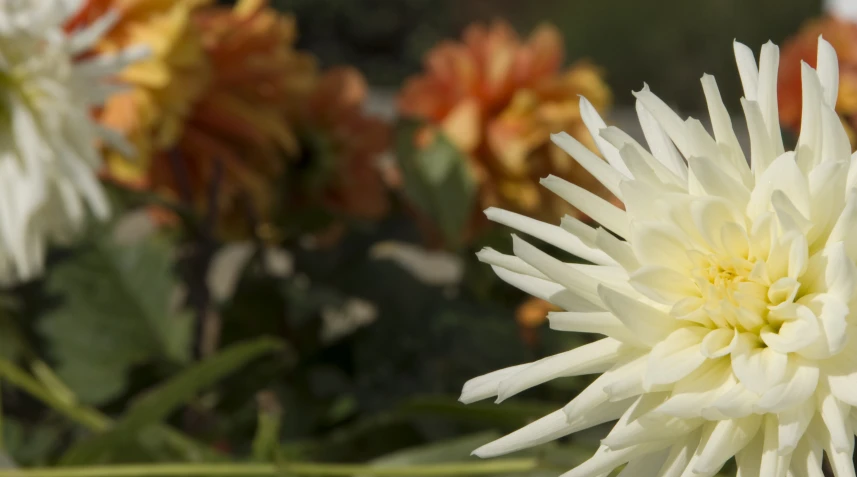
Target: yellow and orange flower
<point>240,124</point>
<point>164,87</point>
<point>842,35</point>
<point>498,99</point>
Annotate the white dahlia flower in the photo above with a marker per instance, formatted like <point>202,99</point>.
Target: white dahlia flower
<point>727,292</point>
<point>49,156</point>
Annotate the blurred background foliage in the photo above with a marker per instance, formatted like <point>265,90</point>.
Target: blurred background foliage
<point>668,44</point>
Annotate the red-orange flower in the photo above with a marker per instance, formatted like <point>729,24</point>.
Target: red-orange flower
<point>842,35</point>
<point>498,99</point>
<point>355,143</point>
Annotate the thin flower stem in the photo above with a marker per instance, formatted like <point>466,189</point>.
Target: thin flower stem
<point>264,470</point>
<point>89,418</point>
<point>92,419</point>
<point>2,419</point>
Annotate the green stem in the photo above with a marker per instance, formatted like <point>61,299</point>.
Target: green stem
<point>90,419</point>
<point>264,470</point>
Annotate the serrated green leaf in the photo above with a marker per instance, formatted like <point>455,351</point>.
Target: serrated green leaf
<point>115,314</point>
<point>438,180</point>
<point>157,404</point>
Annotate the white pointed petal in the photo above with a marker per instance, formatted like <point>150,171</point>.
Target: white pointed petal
<point>602,323</point>
<point>721,122</point>
<point>834,413</point>
<point>616,249</point>
<point>843,230</point>
<point>799,384</point>
<point>807,459</point>
<point>662,284</point>
<point>591,358</point>
<point>659,143</point>
<point>840,462</point>
<point>590,204</point>
<point>648,427</point>
<point>784,175</point>
<point>509,262</point>
<point>553,426</point>
<point>676,356</point>
<point>84,39</point>
<point>810,139</point>
<point>747,69</point>
<point>635,154</point>
<point>719,342</point>
<point>712,181</point>
<point>551,234</point>
<point>832,313</point>
<point>556,270</point>
<point>486,386</point>
<point>722,440</point>
<point>793,424</point>
<point>662,244</point>
<point>669,121</point>
<point>827,65</point>
<point>595,124</point>
<point>762,152</point>
<point>769,61</point>
<point>606,460</point>
<point>646,465</point>
<point>646,322</point>
<point>749,459</point>
<point>679,456</point>
<point>835,144</point>
<point>601,170</point>
<point>547,290</point>
<point>696,392</point>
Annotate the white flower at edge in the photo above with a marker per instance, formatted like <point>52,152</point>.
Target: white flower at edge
<point>728,302</point>
<point>48,139</point>
<point>843,9</point>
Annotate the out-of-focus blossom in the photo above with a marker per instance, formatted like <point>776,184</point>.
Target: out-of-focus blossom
<point>240,123</point>
<point>165,86</point>
<point>840,33</point>
<point>498,99</point>
<point>49,156</point>
<point>844,9</point>
<point>348,146</point>
<point>531,315</point>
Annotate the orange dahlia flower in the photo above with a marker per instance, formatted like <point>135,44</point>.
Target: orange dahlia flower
<point>842,35</point>
<point>498,99</point>
<point>333,113</point>
<point>163,88</point>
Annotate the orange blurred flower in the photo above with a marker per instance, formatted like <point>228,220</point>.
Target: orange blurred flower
<point>498,99</point>
<point>239,124</point>
<point>334,112</point>
<point>164,87</point>
<point>530,316</point>
<point>842,35</point>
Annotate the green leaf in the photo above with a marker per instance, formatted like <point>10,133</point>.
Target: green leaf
<point>116,313</point>
<point>156,405</point>
<point>438,180</point>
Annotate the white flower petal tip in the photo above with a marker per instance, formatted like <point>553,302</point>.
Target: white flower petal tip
<point>49,160</point>
<point>724,288</point>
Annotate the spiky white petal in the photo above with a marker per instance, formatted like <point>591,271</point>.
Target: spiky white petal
<point>726,290</point>
<point>48,140</point>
